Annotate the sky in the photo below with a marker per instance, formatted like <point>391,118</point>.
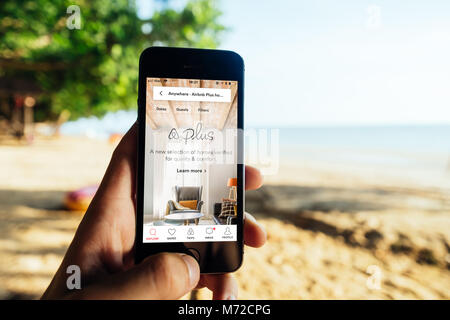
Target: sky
<point>340,63</point>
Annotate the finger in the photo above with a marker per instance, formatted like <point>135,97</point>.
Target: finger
<point>223,286</point>
<point>119,179</point>
<point>254,234</point>
<point>162,276</point>
<point>253,178</point>
<point>109,221</point>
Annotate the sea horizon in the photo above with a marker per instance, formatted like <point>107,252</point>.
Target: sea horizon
<point>413,146</point>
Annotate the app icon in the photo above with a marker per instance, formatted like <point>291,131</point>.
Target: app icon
<point>171,231</point>
<point>209,230</point>
<point>227,231</point>
<point>152,231</point>
<point>190,232</point>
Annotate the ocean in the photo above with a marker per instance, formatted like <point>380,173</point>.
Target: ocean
<point>421,139</point>
<point>409,149</point>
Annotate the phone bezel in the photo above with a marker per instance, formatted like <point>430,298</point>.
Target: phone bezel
<point>183,63</point>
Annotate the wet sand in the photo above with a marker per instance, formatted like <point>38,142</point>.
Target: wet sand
<point>332,234</point>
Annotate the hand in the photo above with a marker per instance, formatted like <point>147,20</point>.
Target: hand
<point>103,245</point>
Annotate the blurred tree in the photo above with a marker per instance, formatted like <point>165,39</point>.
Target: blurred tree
<point>94,69</point>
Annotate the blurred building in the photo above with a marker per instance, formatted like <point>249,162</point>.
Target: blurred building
<point>17,101</point>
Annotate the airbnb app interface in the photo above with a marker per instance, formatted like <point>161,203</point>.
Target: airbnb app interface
<point>190,187</point>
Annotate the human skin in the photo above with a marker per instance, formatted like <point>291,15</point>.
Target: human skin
<point>103,245</point>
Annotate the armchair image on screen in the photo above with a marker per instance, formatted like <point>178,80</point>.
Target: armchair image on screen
<point>187,205</point>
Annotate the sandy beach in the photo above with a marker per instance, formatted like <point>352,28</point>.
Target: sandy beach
<point>333,233</point>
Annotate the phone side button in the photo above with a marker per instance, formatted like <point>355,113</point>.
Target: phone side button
<point>194,253</point>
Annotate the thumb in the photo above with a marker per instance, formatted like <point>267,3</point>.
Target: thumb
<point>161,276</point>
<point>119,177</point>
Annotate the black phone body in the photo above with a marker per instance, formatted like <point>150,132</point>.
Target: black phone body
<point>190,172</point>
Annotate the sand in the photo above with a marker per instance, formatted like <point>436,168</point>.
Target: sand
<point>333,233</point>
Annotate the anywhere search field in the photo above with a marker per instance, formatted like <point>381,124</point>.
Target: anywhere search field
<point>191,94</point>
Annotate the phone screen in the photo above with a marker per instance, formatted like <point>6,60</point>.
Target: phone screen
<point>190,172</point>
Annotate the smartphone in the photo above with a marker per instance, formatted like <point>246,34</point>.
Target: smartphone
<point>190,172</point>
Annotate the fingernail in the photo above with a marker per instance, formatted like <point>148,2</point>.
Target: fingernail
<point>264,230</point>
<point>250,217</point>
<point>193,268</point>
<point>231,297</point>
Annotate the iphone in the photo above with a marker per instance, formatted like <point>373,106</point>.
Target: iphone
<point>190,172</point>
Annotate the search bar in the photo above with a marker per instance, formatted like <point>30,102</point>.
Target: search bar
<point>191,94</point>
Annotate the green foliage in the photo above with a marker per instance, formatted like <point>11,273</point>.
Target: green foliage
<point>93,70</point>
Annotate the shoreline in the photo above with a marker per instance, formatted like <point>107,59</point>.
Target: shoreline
<point>347,166</point>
